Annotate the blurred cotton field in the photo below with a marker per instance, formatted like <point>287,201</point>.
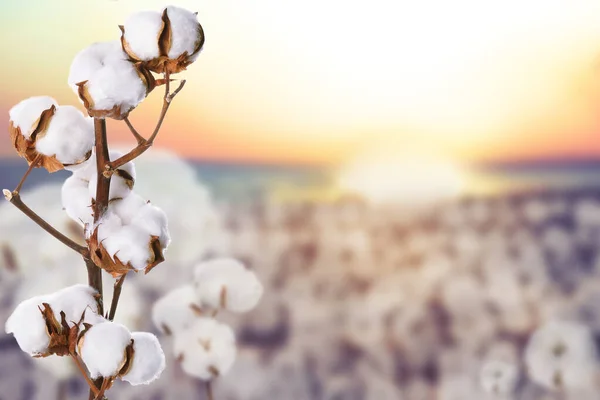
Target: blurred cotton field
<point>477,297</point>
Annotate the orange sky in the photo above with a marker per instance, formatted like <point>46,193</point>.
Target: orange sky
<point>322,81</point>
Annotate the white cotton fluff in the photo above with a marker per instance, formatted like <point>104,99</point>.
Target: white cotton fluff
<point>130,242</point>
<point>207,349</point>
<point>102,349</point>
<point>26,113</point>
<point>128,207</point>
<point>111,80</point>
<point>242,288</point>
<point>76,200</point>
<point>142,30</point>
<point>148,359</point>
<point>562,355</point>
<point>69,137</point>
<point>184,31</point>
<point>120,184</point>
<point>173,312</point>
<point>499,377</point>
<point>27,325</point>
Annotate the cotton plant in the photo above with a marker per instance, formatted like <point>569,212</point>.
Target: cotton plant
<point>123,231</point>
<point>204,347</point>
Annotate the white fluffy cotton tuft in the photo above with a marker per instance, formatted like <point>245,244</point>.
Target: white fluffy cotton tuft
<point>227,283</point>
<point>76,200</point>
<point>148,359</point>
<point>184,31</point>
<point>142,30</point>
<point>109,78</point>
<point>69,137</point>
<point>27,324</point>
<point>26,114</point>
<point>102,349</point>
<point>207,349</point>
<point>174,312</point>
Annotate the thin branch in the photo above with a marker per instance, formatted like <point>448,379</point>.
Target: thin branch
<point>209,391</point>
<point>146,144</point>
<point>31,167</point>
<point>140,139</point>
<point>116,296</point>
<point>93,387</point>
<point>15,199</point>
<point>103,388</point>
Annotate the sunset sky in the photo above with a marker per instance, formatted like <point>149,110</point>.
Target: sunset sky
<point>327,81</point>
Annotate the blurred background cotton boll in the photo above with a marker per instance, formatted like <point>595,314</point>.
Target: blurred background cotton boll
<point>416,185</point>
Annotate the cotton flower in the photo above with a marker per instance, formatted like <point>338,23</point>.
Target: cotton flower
<point>207,349</point>
<point>176,311</point>
<point>103,349</point>
<point>164,42</point>
<point>108,84</point>
<point>148,359</point>
<point>226,283</point>
<point>562,355</point>
<point>499,377</point>
<point>52,136</point>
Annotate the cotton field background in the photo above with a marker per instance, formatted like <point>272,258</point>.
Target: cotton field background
<point>469,298</point>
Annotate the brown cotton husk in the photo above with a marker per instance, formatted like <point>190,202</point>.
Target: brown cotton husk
<point>26,147</point>
<point>163,64</point>
<point>157,253</point>
<point>128,360</point>
<point>63,339</point>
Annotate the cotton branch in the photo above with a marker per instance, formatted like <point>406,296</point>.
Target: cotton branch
<point>145,144</point>
<point>15,199</point>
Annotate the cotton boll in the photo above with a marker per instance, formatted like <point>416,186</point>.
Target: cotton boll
<point>141,33</point>
<point>184,30</point>
<point>102,349</point>
<point>562,355</point>
<point>27,325</point>
<point>174,312</point>
<point>26,114</point>
<point>69,136</point>
<point>499,377</point>
<point>226,283</point>
<point>107,82</point>
<point>76,200</point>
<point>148,359</point>
<point>207,349</point>
<point>166,42</point>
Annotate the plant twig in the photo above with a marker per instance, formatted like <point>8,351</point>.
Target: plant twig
<point>146,144</point>
<point>115,297</point>
<point>209,391</point>
<point>15,199</point>
<point>103,388</point>
<point>81,369</point>
<point>140,139</point>
<point>31,167</point>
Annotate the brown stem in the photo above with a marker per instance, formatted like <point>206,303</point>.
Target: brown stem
<point>103,388</point>
<point>100,207</point>
<point>93,388</point>
<point>140,139</point>
<point>15,199</point>
<point>146,144</point>
<point>115,298</point>
<point>31,167</point>
<point>209,391</point>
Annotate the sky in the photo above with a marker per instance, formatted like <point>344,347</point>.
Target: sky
<point>330,81</point>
